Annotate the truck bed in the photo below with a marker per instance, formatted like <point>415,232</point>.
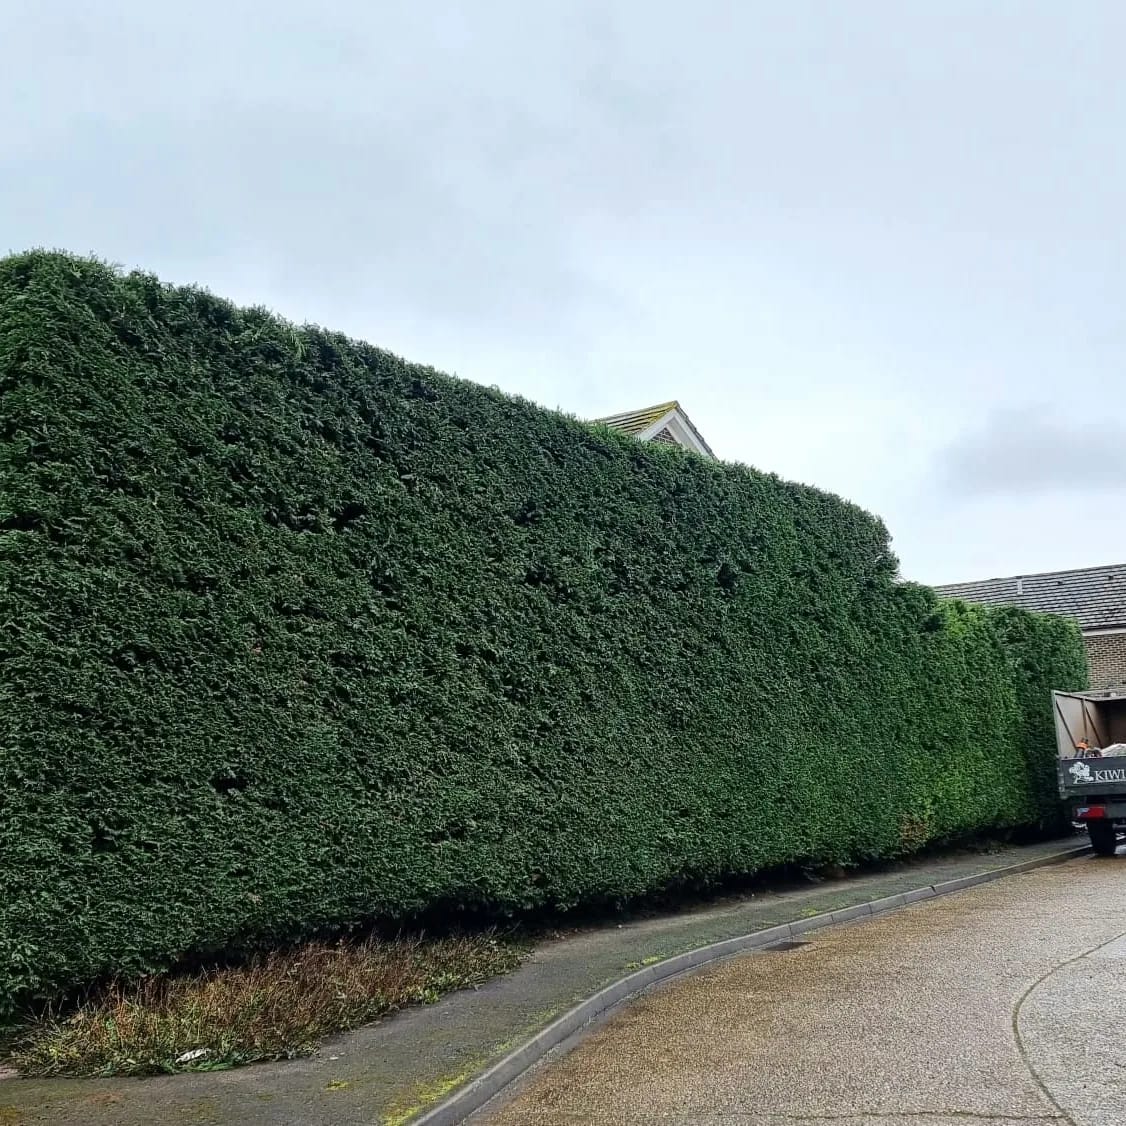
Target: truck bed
<point>1086,721</point>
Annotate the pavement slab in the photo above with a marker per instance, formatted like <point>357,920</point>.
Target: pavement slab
<point>389,1073</point>
<point>1001,1004</point>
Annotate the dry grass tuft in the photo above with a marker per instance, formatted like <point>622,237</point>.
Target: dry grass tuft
<point>277,1006</point>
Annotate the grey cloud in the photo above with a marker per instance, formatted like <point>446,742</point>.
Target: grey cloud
<point>1032,450</point>
<point>335,203</point>
<point>377,151</point>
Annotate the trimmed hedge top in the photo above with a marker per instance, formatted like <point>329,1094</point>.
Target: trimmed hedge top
<point>297,634</point>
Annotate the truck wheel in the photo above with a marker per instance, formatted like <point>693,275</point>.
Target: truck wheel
<point>1104,840</point>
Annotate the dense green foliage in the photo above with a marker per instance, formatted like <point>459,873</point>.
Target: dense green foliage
<point>298,634</point>
<point>1043,653</point>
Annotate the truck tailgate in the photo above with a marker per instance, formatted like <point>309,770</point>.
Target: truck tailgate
<point>1082,777</point>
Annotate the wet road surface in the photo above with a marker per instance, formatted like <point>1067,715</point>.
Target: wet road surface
<point>1004,1004</point>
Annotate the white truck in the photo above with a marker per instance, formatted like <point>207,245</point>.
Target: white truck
<point>1091,740</point>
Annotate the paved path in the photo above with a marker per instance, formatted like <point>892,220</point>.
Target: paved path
<point>1005,1003</point>
<point>389,1072</point>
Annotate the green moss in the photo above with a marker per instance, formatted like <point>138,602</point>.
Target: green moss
<point>425,1097</point>
<point>298,634</point>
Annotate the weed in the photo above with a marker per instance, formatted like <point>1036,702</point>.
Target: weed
<point>276,1006</point>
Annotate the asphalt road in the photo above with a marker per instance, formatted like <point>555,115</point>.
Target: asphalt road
<point>1004,1004</point>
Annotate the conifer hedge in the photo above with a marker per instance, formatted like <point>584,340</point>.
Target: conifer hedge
<point>297,634</point>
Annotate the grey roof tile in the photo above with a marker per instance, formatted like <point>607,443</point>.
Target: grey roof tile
<point>1094,596</point>
<point>637,422</point>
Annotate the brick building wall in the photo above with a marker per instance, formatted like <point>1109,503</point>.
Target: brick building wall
<point>1106,658</point>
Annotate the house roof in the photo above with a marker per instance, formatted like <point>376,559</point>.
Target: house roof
<point>1094,596</point>
<point>648,421</point>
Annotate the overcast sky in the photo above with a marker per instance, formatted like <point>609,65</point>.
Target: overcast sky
<point>873,246</point>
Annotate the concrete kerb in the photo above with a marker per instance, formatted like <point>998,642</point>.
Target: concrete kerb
<point>489,1084</point>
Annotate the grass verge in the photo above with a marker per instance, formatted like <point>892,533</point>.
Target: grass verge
<point>276,1006</point>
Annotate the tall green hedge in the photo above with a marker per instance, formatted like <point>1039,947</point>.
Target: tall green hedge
<point>297,634</point>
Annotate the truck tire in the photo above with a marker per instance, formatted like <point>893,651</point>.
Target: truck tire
<point>1104,840</point>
